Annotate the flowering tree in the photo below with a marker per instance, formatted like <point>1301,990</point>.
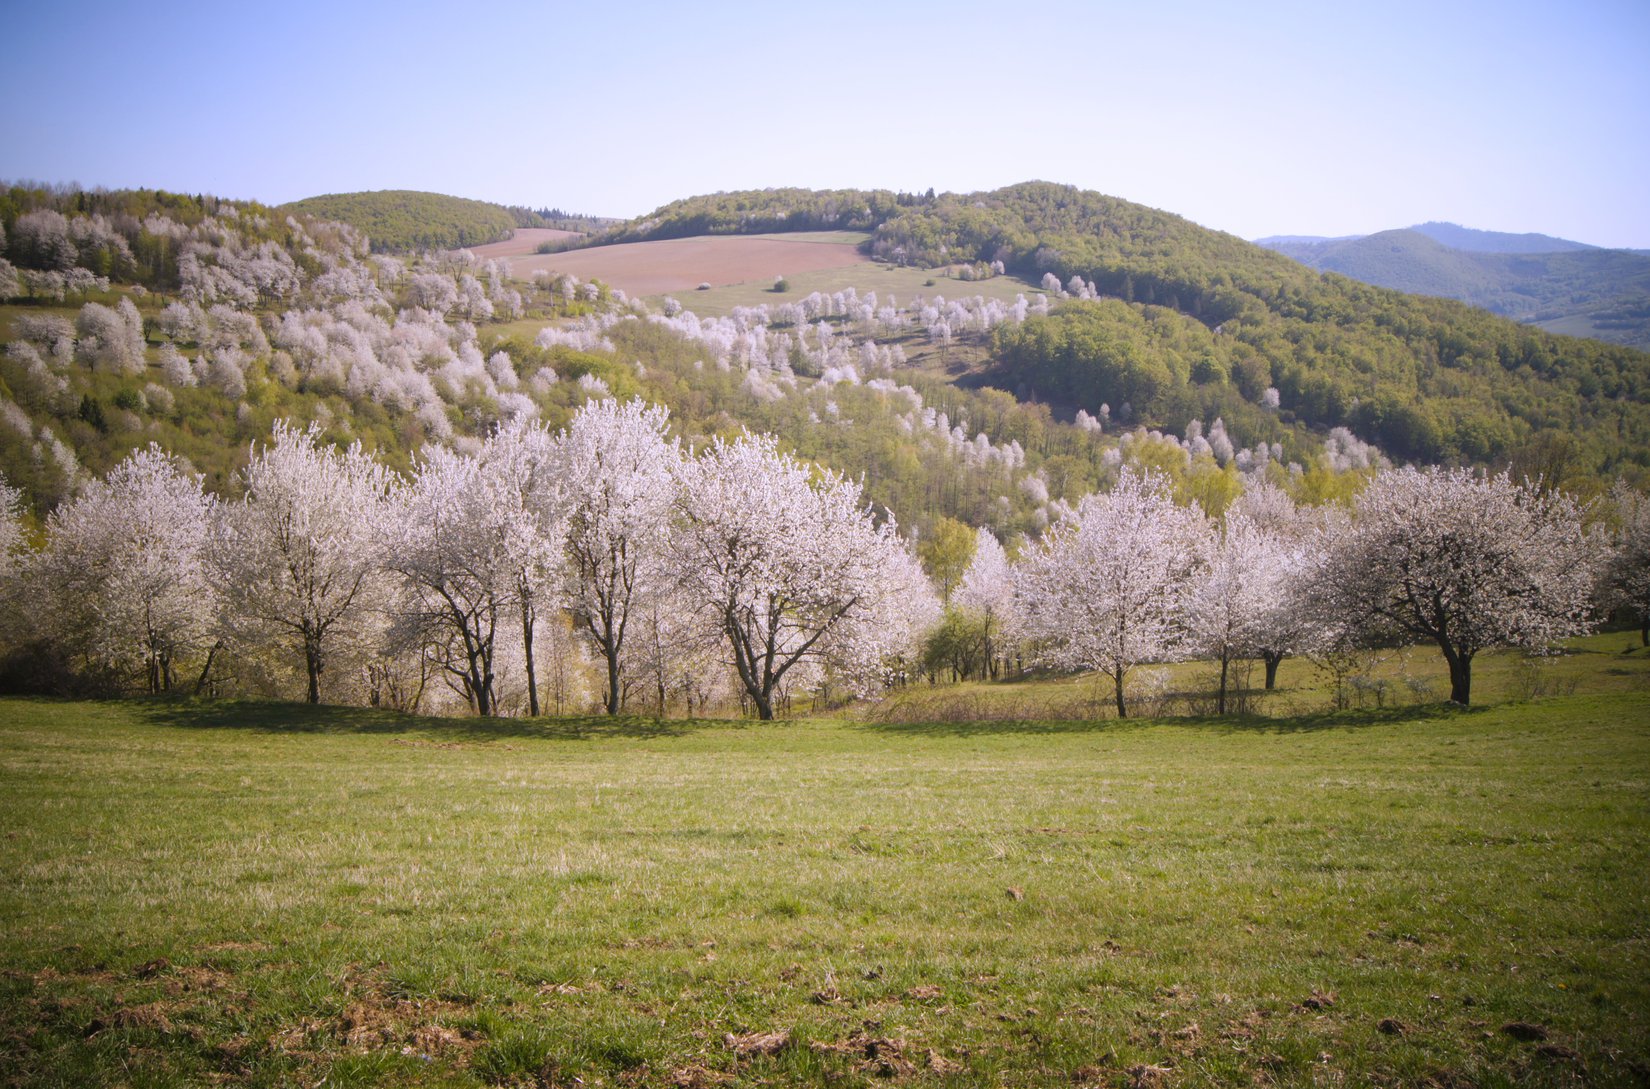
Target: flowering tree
<point>124,568</point>
<point>791,569</point>
<point>1626,579</point>
<point>616,476</point>
<point>1290,535</point>
<point>520,461</point>
<point>449,537</point>
<point>111,340</point>
<point>297,555</point>
<point>1466,561</point>
<point>1104,589</point>
<point>986,592</point>
<point>12,542</point>
<point>1229,610</point>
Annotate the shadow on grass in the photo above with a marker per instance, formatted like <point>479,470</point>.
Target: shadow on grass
<point>1224,724</point>
<point>273,716</point>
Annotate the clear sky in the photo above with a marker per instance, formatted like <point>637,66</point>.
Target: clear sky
<point>1255,118</point>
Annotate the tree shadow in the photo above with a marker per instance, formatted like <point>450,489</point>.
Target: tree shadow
<point>279,717</point>
<point>1318,722</point>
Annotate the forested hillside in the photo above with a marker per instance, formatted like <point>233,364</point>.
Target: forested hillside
<point>1146,323</point>
<point>403,221</point>
<point>762,211</point>
<point>218,319</point>
<point>1427,379</point>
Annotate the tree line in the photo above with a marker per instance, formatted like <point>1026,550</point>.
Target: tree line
<point>376,586</point>
<point>491,579</point>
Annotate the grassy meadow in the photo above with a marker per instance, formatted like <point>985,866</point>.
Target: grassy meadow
<point>271,894</point>
<point>901,282</point>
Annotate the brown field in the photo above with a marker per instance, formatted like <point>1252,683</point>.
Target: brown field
<point>682,264</point>
<point>525,241</point>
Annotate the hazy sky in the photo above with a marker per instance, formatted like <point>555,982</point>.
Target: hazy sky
<point>1256,118</point>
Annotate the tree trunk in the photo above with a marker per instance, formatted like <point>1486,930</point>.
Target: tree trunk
<point>527,648</point>
<point>206,670</point>
<point>1220,698</point>
<point>312,663</point>
<point>611,701</point>
<point>1460,676</point>
<point>1271,658</point>
<point>1122,712</point>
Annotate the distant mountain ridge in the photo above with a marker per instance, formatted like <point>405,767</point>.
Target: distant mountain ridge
<point>1458,237</point>
<point>1558,284</point>
<point>1452,235</point>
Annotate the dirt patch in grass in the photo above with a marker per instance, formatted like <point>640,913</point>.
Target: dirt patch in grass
<point>758,1043</point>
<point>374,1020</point>
<point>886,1056</point>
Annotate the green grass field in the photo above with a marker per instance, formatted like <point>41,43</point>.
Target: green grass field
<point>269,894</point>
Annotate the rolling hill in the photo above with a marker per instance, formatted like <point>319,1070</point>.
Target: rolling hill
<point>402,220</point>
<point>1134,316</point>
<point>1193,324</point>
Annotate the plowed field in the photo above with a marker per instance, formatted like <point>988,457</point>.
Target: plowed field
<point>682,264</point>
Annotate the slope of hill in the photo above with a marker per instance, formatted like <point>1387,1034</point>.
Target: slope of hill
<point>1428,379</point>
<point>1145,321</point>
<point>1569,287</point>
<point>402,220</point>
<point>1404,260</point>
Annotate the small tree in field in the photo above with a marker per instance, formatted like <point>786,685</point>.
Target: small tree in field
<point>1105,587</point>
<point>986,592</point>
<point>792,571</point>
<point>1462,560</point>
<point>520,459</point>
<point>1288,533</point>
<point>297,557</point>
<point>450,538</point>
<point>615,474</point>
<point>124,568</point>
<point>1626,580</point>
<point>1229,609</point>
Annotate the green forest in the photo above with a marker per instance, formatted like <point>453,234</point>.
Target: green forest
<point>404,221</point>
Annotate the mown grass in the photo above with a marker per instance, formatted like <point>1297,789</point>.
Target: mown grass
<point>270,894</point>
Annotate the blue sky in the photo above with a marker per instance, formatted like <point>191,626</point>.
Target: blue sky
<point>1260,118</point>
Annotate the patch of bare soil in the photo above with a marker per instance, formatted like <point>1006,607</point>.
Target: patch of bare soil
<point>682,264</point>
<point>884,1056</point>
<point>375,1020</point>
<point>758,1043</point>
